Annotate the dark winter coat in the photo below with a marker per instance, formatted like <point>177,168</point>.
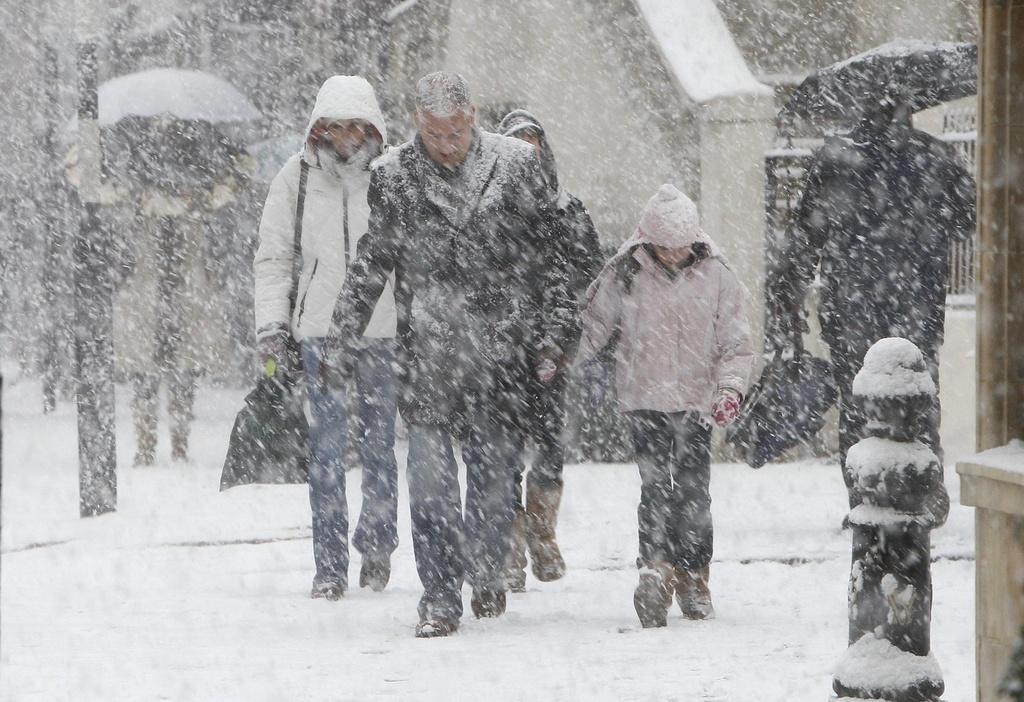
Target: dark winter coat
<point>879,213</point>
<point>566,216</point>
<point>579,262</point>
<point>468,249</point>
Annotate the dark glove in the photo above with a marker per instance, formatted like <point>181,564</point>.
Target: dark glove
<point>596,374</point>
<point>937,504</point>
<point>272,353</point>
<point>550,361</point>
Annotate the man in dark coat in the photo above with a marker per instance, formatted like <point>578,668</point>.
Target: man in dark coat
<point>543,418</point>
<point>881,208</point>
<point>457,215</point>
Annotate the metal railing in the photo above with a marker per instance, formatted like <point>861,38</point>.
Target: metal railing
<point>959,129</point>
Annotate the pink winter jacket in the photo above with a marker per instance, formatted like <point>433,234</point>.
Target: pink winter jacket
<point>683,338</point>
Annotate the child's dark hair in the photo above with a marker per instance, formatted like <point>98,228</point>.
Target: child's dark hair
<point>627,267</point>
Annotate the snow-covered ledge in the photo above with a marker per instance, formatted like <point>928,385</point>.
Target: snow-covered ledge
<point>993,482</point>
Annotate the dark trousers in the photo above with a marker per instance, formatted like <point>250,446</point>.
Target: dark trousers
<point>674,517</point>
<point>452,544</point>
<point>544,424</point>
<point>376,406</point>
<point>181,392</point>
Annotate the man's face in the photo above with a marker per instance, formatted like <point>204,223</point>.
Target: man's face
<point>347,136</point>
<point>447,139</point>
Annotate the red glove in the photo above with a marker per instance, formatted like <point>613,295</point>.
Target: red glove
<point>546,370</point>
<point>726,408</point>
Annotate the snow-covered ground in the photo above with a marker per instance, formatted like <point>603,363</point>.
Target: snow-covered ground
<point>187,593</point>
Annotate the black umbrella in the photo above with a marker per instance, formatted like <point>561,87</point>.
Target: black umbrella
<point>922,74</point>
<point>269,442</point>
<point>786,406</point>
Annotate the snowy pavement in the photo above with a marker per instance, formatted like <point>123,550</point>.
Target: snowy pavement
<point>190,594</point>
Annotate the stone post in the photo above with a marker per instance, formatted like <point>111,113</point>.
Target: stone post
<point>898,484</point>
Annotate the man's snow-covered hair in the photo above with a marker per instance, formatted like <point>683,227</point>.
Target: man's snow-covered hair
<point>443,94</point>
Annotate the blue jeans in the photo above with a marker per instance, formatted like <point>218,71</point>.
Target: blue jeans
<point>375,407</point>
<point>673,452</point>
<point>451,546</point>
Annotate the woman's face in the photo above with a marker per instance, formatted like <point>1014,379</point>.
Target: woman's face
<point>347,136</point>
<point>672,257</point>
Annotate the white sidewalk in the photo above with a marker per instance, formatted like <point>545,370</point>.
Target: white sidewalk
<point>187,593</point>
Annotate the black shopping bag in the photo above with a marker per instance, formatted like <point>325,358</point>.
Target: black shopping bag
<point>270,439</point>
<point>785,407</point>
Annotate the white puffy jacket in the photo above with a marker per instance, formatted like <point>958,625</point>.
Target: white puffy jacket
<point>334,200</point>
<point>683,337</point>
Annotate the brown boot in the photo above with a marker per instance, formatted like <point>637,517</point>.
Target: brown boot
<point>693,594</point>
<point>515,563</point>
<point>487,603</point>
<point>653,595</point>
<point>542,517</point>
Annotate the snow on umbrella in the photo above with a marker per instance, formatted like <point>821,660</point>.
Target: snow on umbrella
<point>173,93</point>
<point>164,128</point>
<point>923,74</point>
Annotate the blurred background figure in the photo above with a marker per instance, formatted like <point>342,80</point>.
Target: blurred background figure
<point>882,207</point>
<point>543,420</point>
<point>171,319</point>
<point>173,189</point>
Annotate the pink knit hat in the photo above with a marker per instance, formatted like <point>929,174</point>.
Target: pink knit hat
<point>670,219</point>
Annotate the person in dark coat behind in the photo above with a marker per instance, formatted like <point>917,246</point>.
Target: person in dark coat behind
<point>457,214</point>
<point>543,418</point>
<point>881,209</point>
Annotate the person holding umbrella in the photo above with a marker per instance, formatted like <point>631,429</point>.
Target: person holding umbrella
<point>315,214</point>
<point>881,208</point>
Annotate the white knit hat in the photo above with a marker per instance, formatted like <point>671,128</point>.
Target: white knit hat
<point>670,219</point>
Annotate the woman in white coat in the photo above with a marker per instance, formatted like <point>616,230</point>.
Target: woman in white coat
<point>315,214</point>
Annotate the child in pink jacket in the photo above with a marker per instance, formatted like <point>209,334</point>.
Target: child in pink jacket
<point>683,361</point>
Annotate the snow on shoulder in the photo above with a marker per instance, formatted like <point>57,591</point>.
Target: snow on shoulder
<point>893,367</point>
<point>700,50</point>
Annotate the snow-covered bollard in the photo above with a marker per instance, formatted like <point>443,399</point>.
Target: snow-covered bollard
<point>896,478</point>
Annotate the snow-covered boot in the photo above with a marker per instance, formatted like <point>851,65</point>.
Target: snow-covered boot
<point>515,569</point>
<point>653,595</point>
<point>375,572</point>
<point>541,517</point>
<point>487,603</point>
<point>436,628</point>
<point>693,594</point>
<point>327,590</point>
